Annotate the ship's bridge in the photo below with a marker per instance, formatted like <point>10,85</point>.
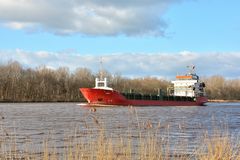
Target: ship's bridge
<point>188,85</point>
<point>101,84</point>
<point>184,87</point>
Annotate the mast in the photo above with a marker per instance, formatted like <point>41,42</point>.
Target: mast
<point>101,68</point>
<point>101,82</point>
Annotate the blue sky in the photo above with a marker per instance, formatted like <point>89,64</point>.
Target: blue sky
<point>156,37</point>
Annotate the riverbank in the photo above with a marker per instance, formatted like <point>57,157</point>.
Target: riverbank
<point>222,101</point>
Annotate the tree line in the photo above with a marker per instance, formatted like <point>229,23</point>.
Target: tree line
<point>19,84</point>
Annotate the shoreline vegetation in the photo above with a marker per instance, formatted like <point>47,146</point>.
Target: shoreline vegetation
<point>42,84</point>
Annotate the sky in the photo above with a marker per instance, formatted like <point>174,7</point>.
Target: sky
<point>135,38</point>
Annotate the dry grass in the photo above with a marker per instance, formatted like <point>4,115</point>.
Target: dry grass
<point>219,147</point>
<point>105,146</point>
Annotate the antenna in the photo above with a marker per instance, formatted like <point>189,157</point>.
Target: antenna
<point>191,69</point>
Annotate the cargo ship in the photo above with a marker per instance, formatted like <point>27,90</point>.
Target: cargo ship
<point>186,90</point>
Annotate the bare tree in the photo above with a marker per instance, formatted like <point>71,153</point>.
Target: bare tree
<point>43,84</point>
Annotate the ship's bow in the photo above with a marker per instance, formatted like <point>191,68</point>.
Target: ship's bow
<point>86,93</point>
<point>96,96</point>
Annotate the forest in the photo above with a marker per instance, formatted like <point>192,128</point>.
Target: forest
<point>20,84</point>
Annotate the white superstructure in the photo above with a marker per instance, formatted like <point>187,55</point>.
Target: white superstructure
<point>101,84</point>
<point>188,85</point>
<point>184,88</point>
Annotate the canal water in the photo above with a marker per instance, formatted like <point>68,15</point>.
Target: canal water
<point>34,123</point>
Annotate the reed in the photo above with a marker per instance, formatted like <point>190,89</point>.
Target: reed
<point>99,144</point>
<point>108,148</point>
<point>219,147</point>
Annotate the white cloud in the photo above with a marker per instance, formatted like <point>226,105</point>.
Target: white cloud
<point>95,17</point>
<point>133,64</point>
<point>43,54</point>
<point>17,25</point>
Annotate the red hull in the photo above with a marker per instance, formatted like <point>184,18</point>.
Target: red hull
<point>96,96</point>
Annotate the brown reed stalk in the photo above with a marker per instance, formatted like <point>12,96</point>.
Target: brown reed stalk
<point>148,146</point>
<point>218,147</point>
